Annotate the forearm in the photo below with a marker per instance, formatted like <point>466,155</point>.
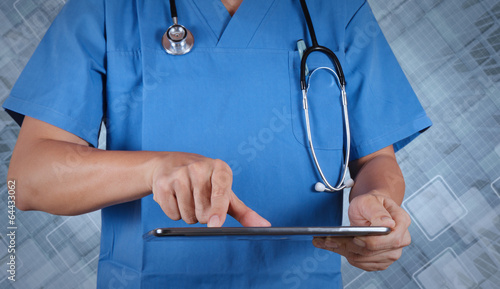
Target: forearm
<point>380,174</point>
<point>67,179</point>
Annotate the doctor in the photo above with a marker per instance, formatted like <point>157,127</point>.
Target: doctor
<point>214,137</point>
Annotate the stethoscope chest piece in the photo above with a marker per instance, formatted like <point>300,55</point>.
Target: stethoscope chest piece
<point>177,40</point>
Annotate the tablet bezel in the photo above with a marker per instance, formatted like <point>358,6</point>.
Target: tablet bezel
<point>339,231</point>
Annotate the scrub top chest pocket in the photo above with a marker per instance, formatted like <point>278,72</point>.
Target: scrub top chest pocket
<point>236,95</point>
<point>324,101</point>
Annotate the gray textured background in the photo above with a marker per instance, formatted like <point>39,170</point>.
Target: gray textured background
<point>449,50</point>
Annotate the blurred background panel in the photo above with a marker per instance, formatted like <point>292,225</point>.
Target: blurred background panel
<point>449,50</point>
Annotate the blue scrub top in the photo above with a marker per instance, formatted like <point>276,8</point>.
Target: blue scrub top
<point>235,96</point>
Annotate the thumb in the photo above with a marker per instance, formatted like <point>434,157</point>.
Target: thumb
<point>383,220</point>
<point>380,215</point>
<point>372,211</point>
<point>243,214</point>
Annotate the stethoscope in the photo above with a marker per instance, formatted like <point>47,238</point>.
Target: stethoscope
<point>178,40</point>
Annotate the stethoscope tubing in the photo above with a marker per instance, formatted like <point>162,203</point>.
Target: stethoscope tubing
<point>327,52</point>
<point>304,84</point>
<point>341,184</point>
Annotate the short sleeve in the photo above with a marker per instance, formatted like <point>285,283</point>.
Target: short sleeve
<point>383,108</point>
<point>63,82</point>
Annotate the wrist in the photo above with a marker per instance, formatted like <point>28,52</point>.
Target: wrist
<point>151,168</point>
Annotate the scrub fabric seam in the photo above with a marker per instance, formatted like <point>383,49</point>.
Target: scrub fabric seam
<point>355,13</point>
<point>366,147</point>
<point>257,28</point>
<point>137,52</point>
<point>202,17</point>
<point>26,108</point>
<point>214,49</point>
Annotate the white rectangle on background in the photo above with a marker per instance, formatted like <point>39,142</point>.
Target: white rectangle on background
<point>445,271</point>
<point>434,208</point>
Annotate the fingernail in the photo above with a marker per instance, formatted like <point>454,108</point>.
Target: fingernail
<point>214,221</point>
<point>265,224</point>
<point>359,242</point>
<point>332,244</point>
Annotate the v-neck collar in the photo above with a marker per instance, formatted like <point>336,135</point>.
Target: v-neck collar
<point>238,30</point>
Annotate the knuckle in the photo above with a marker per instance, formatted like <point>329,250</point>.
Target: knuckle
<point>407,220</point>
<point>180,174</point>
<point>402,242</point>
<point>203,220</point>
<point>383,267</point>
<point>352,262</point>
<point>368,252</point>
<point>161,183</point>
<point>190,220</point>
<point>173,215</point>
<point>197,167</point>
<point>221,179</point>
<point>218,194</point>
<point>180,185</point>
<point>370,245</point>
<point>353,257</point>
<point>224,172</point>
<point>356,256</point>
<point>220,164</point>
<point>407,241</point>
<point>396,243</point>
<point>201,215</point>
<point>361,265</point>
<point>395,255</point>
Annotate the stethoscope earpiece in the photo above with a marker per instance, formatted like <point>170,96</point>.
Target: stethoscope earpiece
<point>320,187</point>
<point>349,183</point>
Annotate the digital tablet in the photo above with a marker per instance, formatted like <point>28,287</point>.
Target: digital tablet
<point>246,233</point>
